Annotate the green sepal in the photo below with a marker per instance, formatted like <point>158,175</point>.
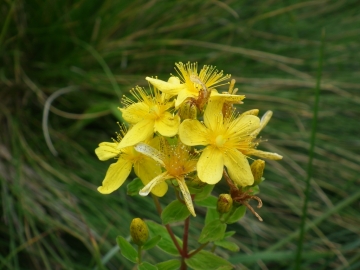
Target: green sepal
<point>126,249</point>
<point>254,189</point>
<point>207,260</point>
<point>234,215</point>
<point>214,230</point>
<point>169,265</point>
<point>209,202</point>
<point>227,245</point>
<point>175,211</point>
<point>152,242</point>
<point>205,192</point>
<point>165,243</point>
<point>146,266</point>
<point>134,187</point>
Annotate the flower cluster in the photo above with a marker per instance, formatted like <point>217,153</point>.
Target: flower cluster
<point>183,130</point>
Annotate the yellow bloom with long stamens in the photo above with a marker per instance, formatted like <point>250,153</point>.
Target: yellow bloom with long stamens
<point>177,163</point>
<point>148,115</point>
<point>222,138</point>
<point>145,168</point>
<point>191,82</point>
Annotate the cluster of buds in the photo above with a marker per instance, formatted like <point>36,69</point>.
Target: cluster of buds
<point>167,144</point>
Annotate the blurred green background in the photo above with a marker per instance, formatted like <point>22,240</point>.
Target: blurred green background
<point>86,54</point>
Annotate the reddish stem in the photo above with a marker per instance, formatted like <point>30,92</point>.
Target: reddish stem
<point>167,226</point>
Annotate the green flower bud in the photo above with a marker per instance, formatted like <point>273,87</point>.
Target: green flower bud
<point>139,231</point>
<point>257,169</point>
<point>188,110</point>
<point>224,203</point>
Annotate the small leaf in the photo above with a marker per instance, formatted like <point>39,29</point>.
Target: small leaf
<point>211,214</point>
<point>152,242</point>
<point>215,230</point>
<point>165,243</point>
<point>206,190</point>
<point>207,260</point>
<point>175,211</point>
<point>126,249</point>
<point>229,233</point>
<point>169,265</point>
<point>134,186</point>
<point>227,245</point>
<point>147,266</point>
<point>236,215</point>
<point>209,202</point>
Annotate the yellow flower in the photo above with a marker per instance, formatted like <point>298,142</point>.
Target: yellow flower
<point>222,138</point>
<point>145,168</point>
<point>148,115</point>
<point>191,82</point>
<point>177,162</point>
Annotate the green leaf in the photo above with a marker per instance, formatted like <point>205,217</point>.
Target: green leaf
<point>229,233</point>
<point>209,202</point>
<point>147,266</point>
<point>169,265</point>
<point>126,249</point>
<point>215,230</point>
<point>175,211</point>
<point>152,242</point>
<point>207,260</point>
<point>211,214</point>
<point>253,190</point>
<point>134,186</point>
<point>227,245</point>
<point>165,243</point>
<point>236,215</point>
<point>206,190</point>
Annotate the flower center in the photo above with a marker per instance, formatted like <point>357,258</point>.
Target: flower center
<point>220,141</point>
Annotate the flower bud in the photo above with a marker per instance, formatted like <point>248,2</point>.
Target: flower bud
<point>139,231</point>
<point>188,110</point>
<point>224,203</point>
<point>257,169</point>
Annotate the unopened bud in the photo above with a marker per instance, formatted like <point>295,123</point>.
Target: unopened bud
<point>139,231</point>
<point>188,110</point>
<point>257,169</point>
<point>224,203</point>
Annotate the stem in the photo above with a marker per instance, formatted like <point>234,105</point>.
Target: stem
<point>311,155</point>
<point>197,250</point>
<point>167,226</point>
<point>186,236</point>
<point>139,253</point>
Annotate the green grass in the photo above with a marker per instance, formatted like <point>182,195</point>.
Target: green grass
<point>52,215</point>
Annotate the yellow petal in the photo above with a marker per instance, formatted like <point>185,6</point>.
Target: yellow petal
<point>182,96</point>
<point>226,97</point>
<point>186,194</point>
<point>244,125</point>
<point>166,87</point>
<point>167,125</point>
<point>210,165</point>
<point>135,112</point>
<point>147,169</point>
<point>263,122</point>
<point>238,168</point>
<point>153,183</point>
<point>115,176</point>
<point>192,132</point>
<point>107,150</point>
<point>174,80</point>
<point>213,114</point>
<point>151,152</point>
<point>263,154</point>
<point>138,133</point>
